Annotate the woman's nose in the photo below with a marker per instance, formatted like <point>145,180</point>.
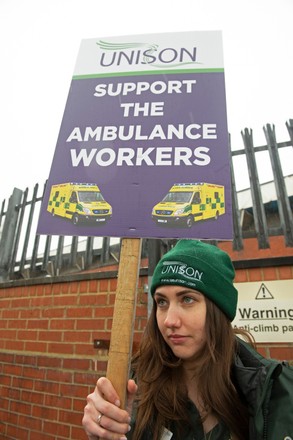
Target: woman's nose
<point>172,318</point>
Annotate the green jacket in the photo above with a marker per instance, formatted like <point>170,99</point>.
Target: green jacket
<point>267,386</point>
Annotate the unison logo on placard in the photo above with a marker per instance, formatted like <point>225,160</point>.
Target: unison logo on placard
<point>130,54</point>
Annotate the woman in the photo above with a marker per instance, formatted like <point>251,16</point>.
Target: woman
<point>192,381</point>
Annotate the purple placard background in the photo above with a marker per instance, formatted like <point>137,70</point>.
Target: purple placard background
<point>132,191</point>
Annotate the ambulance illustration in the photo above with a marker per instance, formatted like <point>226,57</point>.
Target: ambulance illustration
<point>79,202</point>
<point>187,203</point>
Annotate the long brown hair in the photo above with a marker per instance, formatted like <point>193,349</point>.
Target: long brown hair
<point>162,393</point>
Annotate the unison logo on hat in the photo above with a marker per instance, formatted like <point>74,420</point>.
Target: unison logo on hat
<point>179,268</point>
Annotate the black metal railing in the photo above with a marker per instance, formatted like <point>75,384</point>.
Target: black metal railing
<point>25,254</point>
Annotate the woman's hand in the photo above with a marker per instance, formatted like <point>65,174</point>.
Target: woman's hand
<point>103,418</point>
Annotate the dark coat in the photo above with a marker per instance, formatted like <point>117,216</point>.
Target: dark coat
<point>267,387</point>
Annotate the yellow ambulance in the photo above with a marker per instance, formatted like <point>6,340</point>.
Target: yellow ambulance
<point>187,203</point>
<point>79,202</point>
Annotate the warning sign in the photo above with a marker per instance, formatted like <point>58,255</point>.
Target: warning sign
<point>264,293</point>
<point>266,310</point>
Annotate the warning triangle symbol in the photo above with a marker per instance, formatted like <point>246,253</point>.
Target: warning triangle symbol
<point>264,293</point>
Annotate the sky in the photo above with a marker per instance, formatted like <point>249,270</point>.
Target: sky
<point>39,43</point>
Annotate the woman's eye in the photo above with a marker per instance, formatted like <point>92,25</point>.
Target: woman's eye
<point>188,300</point>
<point>161,302</point>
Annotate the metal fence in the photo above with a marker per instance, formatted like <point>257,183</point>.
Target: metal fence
<point>25,254</point>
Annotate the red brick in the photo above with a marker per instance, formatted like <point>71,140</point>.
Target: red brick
<point>65,288</point>
<point>17,323</point>
<point>48,362</point>
<point>28,335</point>
<point>52,336</point>
<point>5,395</point>
<point>285,272</point>
<point>44,301</point>
<point>12,393</point>
<point>44,412</point>
<point>103,285</point>
<point>40,290</point>
<point>77,364</point>
<point>59,376</point>
<point>111,298</point>
<point>19,303</point>
<point>109,324</point>
<point>86,378</point>
<point>12,370</point>
<point>60,348</point>
<point>269,273</point>
<point>79,312</point>
<point>78,434</point>
<point>90,324</point>
<point>77,336</point>
<point>15,345</point>
<point>113,285</point>
<point>40,435</point>
<point>104,312</point>
<point>93,299</point>
<point>34,373</point>
<point>64,300</point>
<point>47,387</point>
<point>74,287</point>
<point>48,289</point>
<point>20,407</point>
<point>35,347</point>
<point>25,359</point>
<point>7,357</point>
<point>93,286</point>
<point>27,290</point>
<point>9,334</point>
<point>67,416</point>
<point>38,324</point>
<point>83,287</point>
<point>72,390</point>
<point>241,276</point>
<point>57,429</point>
<point>57,288</point>
<point>20,382</point>
<point>11,417</point>
<point>10,314</point>
<point>85,349</point>
<point>58,401</point>
<point>34,398</point>
<point>4,303</point>
<point>32,423</point>
<point>3,323</point>
<point>141,310</point>
<point>18,432</point>
<point>282,353</point>
<point>255,275</point>
<point>53,313</point>
<point>62,324</point>
<point>79,404</point>
<point>30,314</point>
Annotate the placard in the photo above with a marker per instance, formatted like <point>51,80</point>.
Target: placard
<point>143,145</point>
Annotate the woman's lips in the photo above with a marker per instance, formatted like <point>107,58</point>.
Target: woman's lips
<point>177,339</point>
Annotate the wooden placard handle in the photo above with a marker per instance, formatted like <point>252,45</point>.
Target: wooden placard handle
<point>123,318</point>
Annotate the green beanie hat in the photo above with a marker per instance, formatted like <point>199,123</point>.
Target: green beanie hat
<point>199,266</point>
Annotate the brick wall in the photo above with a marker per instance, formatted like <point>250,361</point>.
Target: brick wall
<point>48,362</point>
